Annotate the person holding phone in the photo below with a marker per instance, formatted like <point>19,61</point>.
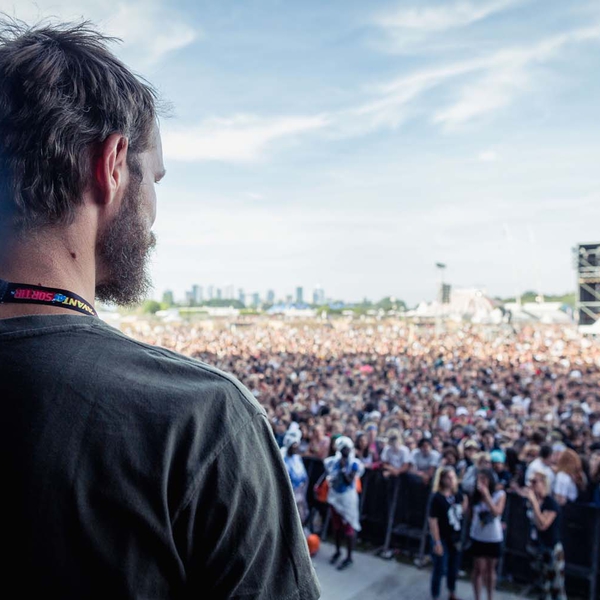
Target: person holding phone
<point>544,512</point>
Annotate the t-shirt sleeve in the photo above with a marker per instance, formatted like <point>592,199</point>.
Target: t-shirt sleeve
<point>240,533</point>
<point>436,508</point>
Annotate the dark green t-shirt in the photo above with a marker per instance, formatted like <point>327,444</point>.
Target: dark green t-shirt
<point>135,472</point>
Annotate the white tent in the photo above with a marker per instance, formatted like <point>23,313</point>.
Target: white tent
<point>470,304</point>
<point>541,312</point>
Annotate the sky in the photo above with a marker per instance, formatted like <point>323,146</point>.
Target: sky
<point>353,145</point>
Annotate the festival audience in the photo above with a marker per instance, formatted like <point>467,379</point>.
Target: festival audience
<point>501,408</point>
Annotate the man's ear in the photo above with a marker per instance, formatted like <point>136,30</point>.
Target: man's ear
<point>110,168</point>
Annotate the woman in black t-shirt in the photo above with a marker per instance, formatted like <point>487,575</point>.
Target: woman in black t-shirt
<point>544,515</point>
<point>445,524</point>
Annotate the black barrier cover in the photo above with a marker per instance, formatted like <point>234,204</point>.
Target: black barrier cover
<point>412,505</point>
<point>516,537</point>
<point>410,512</point>
<point>580,529</point>
<point>375,506</point>
<point>577,525</point>
<point>314,469</point>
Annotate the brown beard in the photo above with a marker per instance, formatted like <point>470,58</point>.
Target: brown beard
<point>124,248</point>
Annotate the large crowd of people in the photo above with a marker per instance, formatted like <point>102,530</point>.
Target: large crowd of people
<point>476,411</point>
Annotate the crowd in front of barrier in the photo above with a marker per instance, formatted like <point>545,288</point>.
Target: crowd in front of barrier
<point>499,410</point>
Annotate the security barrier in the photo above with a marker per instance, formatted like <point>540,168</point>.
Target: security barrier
<point>580,536</point>
<point>394,511</point>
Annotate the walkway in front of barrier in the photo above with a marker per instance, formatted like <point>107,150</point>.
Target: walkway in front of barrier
<point>371,577</point>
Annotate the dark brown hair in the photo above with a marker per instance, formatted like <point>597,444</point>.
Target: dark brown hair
<point>62,92</point>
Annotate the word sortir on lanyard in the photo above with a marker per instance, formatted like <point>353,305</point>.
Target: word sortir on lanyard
<point>26,293</point>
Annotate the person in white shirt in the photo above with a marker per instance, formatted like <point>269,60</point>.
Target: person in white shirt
<point>543,464</point>
<point>424,460</point>
<point>486,533</point>
<point>395,456</point>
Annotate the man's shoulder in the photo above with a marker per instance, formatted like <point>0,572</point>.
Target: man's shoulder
<point>107,367</point>
<point>175,384</point>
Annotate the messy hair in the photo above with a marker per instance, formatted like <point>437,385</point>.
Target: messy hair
<point>62,93</point>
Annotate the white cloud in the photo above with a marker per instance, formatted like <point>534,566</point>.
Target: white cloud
<point>428,19</point>
<point>150,29</point>
<point>505,75</point>
<point>488,156</point>
<point>243,138</point>
<point>494,82</point>
<point>390,108</point>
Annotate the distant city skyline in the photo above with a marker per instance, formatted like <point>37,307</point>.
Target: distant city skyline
<point>356,144</point>
<point>303,295</point>
<point>199,293</point>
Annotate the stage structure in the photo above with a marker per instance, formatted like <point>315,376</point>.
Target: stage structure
<point>587,261</point>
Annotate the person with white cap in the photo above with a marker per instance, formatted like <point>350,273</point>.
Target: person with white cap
<point>342,471</point>
<point>295,467</point>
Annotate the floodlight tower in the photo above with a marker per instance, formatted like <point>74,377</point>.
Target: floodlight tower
<point>439,314</point>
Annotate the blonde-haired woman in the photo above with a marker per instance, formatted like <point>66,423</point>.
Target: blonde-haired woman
<point>570,479</point>
<point>544,515</point>
<point>445,524</point>
<point>487,535</point>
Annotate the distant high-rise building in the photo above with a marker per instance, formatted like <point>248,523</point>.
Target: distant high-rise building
<point>219,294</point>
<point>270,297</point>
<point>229,292</point>
<point>299,295</point>
<point>318,296</point>
<point>255,299</point>
<point>198,294</point>
<point>168,298</point>
<point>210,292</point>
<point>189,298</point>
<point>242,296</point>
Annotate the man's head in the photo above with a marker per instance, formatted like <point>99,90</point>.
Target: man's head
<point>78,130</point>
<point>546,453</point>
<point>425,446</point>
<point>393,436</point>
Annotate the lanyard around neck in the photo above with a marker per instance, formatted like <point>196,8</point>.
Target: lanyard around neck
<point>25,293</point>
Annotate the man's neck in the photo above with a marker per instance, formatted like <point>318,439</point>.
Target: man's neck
<point>48,260</point>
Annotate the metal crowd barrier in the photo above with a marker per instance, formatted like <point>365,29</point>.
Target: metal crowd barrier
<point>394,510</point>
<point>580,535</point>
